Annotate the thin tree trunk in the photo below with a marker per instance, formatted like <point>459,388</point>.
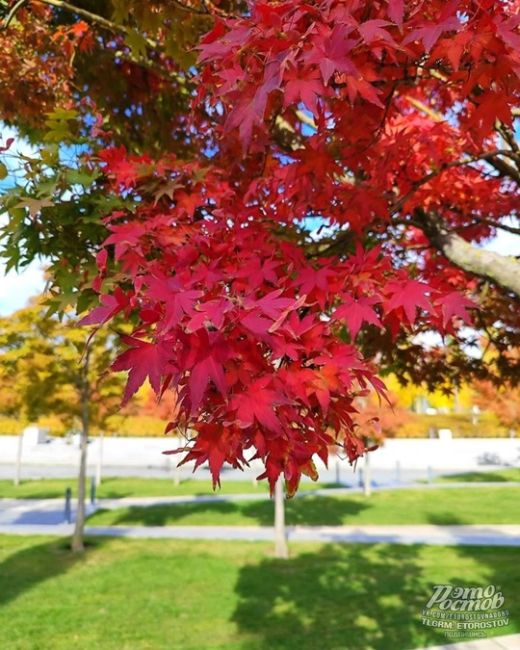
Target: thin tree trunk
<point>366,476</point>
<point>77,544</point>
<point>18,471</point>
<point>99,465</point>
<point>338,471</point>
<point>280,535</point>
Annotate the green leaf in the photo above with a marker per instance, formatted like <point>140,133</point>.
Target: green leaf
<point>50,155</point>
<point>136,42</point>
<point>62,114</point>
<point>3,171</point>
<point>78,177</point>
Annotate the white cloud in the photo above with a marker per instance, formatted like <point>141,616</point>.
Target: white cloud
<point>17,288</point>
<point>505,243</point>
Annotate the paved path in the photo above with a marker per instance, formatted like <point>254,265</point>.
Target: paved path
<point>34,511</point>
<point>508,642</point>
<point>51,511</point>
<point>489,535</point>
<point>126,502</point>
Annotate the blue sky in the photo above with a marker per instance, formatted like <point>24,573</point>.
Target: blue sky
<point>17,288</point>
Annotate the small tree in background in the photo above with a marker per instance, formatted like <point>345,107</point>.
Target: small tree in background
<point>47,369</point>
<point>503,401</point>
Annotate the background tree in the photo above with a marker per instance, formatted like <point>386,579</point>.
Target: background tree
<point>387,128</point>
<point>503,401</point>
<point>46,369</point>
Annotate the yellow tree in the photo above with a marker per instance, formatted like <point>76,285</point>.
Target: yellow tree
<point>46,369</point>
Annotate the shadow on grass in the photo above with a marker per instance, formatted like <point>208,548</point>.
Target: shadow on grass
<point>344,597</point>
<point>163,515</point>
<point>306,510</point>
<point>353,597</point>
<point>30,566</point>
<point>500,567</point>
<point>479,477</point>
<point>263,488</point>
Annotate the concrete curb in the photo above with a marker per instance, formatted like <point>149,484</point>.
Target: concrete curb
<point>500,535</point>
<point>508,642</point>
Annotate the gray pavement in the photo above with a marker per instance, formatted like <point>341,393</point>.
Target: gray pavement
<point>488,535</point>
<point>508,642</point>
<point>35,511</point>
<point>52,511</point>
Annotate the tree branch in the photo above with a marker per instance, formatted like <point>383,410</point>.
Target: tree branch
<point>423,108</point>
<point>489,222</point>
<point>107,24</point>
<point>489,156</point>
<point>88,15</point>
<point>503,167</point>
<point>501,226</point>
<point>12,13</point>
<point>500,269</point>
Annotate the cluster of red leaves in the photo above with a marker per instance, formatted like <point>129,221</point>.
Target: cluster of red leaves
<point>251,334</point>
<point>332,55</point>
<point>36,65</point>
<point>314,109</point>
<point>359,69</point>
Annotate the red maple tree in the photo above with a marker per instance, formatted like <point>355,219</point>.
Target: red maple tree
<point>350,153</point>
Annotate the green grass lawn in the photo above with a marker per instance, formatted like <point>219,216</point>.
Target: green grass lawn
<point>415,506</point>
<point>179,595</point>
<point>494,476</point>
<point>114,488</point>
<point>135,487</point>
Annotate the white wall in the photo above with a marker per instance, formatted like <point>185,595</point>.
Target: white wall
<point>147,452</point>
<point>446,454</point>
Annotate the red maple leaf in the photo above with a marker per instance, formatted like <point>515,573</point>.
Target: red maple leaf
<point>396,11</point>
<point>454,305</point>
<point>372,30</point>
<point>205,358</point>
<point>354,312</point>
<point>272,305</point>
<point>431,31</point>
<point>409,295</point>
<point>257,404</point>
<point>303,87</point>
<point>210,313</point>
<point>142,360</point>
<point>110,306</point>
<point>330,52</point>
<point>178,302</point>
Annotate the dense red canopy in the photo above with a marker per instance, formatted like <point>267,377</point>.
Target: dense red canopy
<point>336,116</point>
